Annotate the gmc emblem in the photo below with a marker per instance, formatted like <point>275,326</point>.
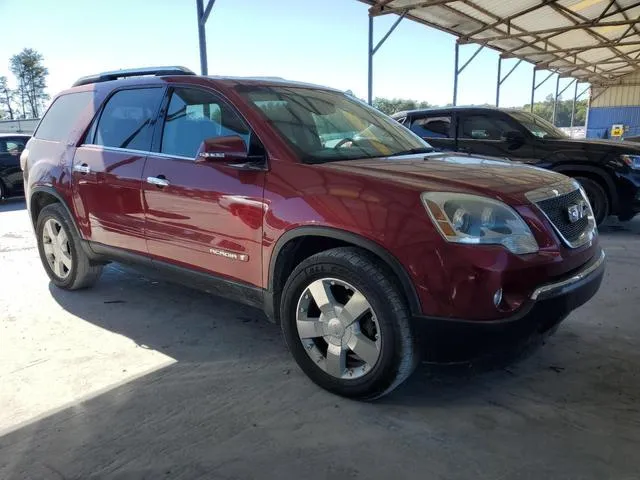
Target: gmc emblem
<point>576,212</point>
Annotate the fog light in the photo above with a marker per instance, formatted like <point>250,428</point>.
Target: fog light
<point>497,297</point>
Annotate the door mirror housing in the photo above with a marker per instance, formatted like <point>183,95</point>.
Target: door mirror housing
<point>222,149</point>
<point>514,138</point>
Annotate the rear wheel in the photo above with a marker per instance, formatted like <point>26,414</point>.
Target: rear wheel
<point>63,258</point>
<point>347,325</point>
<point>597,198</point>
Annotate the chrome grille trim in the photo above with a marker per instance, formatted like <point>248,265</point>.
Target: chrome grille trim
<point>560,189</point>
<point>552,191</point>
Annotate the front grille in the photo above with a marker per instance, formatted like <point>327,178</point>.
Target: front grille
<point>556,210</point>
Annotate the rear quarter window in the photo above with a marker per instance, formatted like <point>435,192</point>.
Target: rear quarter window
<point>62,116</point>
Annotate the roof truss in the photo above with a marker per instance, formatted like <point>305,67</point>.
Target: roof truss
<point>595,41</point>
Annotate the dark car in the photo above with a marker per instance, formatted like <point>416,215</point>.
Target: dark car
<point>313,206</point>
<point>11,146</point>
<point>609,171</point>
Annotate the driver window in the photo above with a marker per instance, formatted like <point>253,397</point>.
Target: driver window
<point>195,115</point>
<point>481,127</point>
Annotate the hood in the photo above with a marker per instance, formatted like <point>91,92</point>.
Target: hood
<point>613,146</point>
<point>447,172</point>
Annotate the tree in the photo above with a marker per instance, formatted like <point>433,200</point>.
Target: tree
<point>563,111</point>
<point>31,75</point>
<point>6,99</point>
<point>395,105</point>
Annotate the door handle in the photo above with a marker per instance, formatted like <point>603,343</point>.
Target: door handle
<point>84,168</point>
<point>158,181</point>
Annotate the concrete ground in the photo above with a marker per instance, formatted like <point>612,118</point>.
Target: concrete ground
<point>143,379</point>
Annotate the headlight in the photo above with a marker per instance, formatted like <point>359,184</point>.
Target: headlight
<point>470,219</point>
<point>632,160</point>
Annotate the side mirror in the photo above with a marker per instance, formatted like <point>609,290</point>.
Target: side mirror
<point>514,138</point>
<point>222,149</point>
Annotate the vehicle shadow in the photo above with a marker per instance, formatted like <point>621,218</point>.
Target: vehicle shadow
<point>193,326</point>
<point>12,204</point>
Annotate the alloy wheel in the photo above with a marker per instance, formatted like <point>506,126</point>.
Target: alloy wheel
<point>338,328</point>
<point>56,248</point>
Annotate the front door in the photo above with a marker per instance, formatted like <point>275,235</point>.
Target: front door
<point>107,169</point>
<point>486,134</point>
<point>203,215</point>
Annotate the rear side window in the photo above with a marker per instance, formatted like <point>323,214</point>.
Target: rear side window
<point>62,116</point>
<point>432,127</point>
<point>127,119</point>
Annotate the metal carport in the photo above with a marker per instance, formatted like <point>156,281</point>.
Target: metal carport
<point>591,41</point>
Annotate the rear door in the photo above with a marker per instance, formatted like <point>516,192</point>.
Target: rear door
<point>203,215</point>
<point>435,128</point>
<point>485,134</point>
<point>107,168</point>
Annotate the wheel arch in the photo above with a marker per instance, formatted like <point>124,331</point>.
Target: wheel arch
<point>596,174</point>
<point>42,196</point>
<point>286,255</point>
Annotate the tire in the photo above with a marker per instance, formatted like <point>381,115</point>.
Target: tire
<point>597,198</point>
<point>384,328</point>
<point>2,190</point>
<point>71,269</point>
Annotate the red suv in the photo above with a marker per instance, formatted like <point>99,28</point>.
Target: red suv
<point>346,228</point>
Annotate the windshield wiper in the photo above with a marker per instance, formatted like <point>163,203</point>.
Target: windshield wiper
<point>413,151</point>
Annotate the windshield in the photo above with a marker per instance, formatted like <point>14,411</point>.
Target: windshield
<point>537,126</point>
<point>324,126</point>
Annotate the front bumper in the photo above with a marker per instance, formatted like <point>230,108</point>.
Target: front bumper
<point>628,196</point>
<point>447,340</point>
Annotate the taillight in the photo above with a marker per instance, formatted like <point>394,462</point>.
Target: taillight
<point>23,159</point>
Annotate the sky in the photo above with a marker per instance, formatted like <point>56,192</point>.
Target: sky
<point>323,42</point>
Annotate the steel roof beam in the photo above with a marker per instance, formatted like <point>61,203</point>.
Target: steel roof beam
<point>509,18</point>
<point>380,9</point>
<point>573,50</point>
<point>626,17</point>
<point>554,31</point>
<point>577,18</point>
<point>487,13</point>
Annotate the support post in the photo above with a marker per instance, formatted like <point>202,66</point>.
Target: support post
<point>202,38</point>
<point>555,101</point>
<point>499,81</point>
<point>370,71</point>
<point>533,89</point>
<point>573,105</point>
<point>373,50</point>
<point>455,75</point>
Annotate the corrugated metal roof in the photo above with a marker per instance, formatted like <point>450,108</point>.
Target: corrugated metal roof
<point>596,41</point>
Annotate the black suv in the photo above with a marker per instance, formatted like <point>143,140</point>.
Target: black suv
<point>11,146</point>
<point>609,171</point>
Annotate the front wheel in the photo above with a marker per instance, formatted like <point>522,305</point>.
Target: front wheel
<point>597,198</point>
<point>347,324</point>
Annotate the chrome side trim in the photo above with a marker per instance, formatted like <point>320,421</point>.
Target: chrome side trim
<point>135,152</point>
<point>576,278</point>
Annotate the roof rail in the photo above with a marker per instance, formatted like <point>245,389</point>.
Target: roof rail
<point>132,72</point>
